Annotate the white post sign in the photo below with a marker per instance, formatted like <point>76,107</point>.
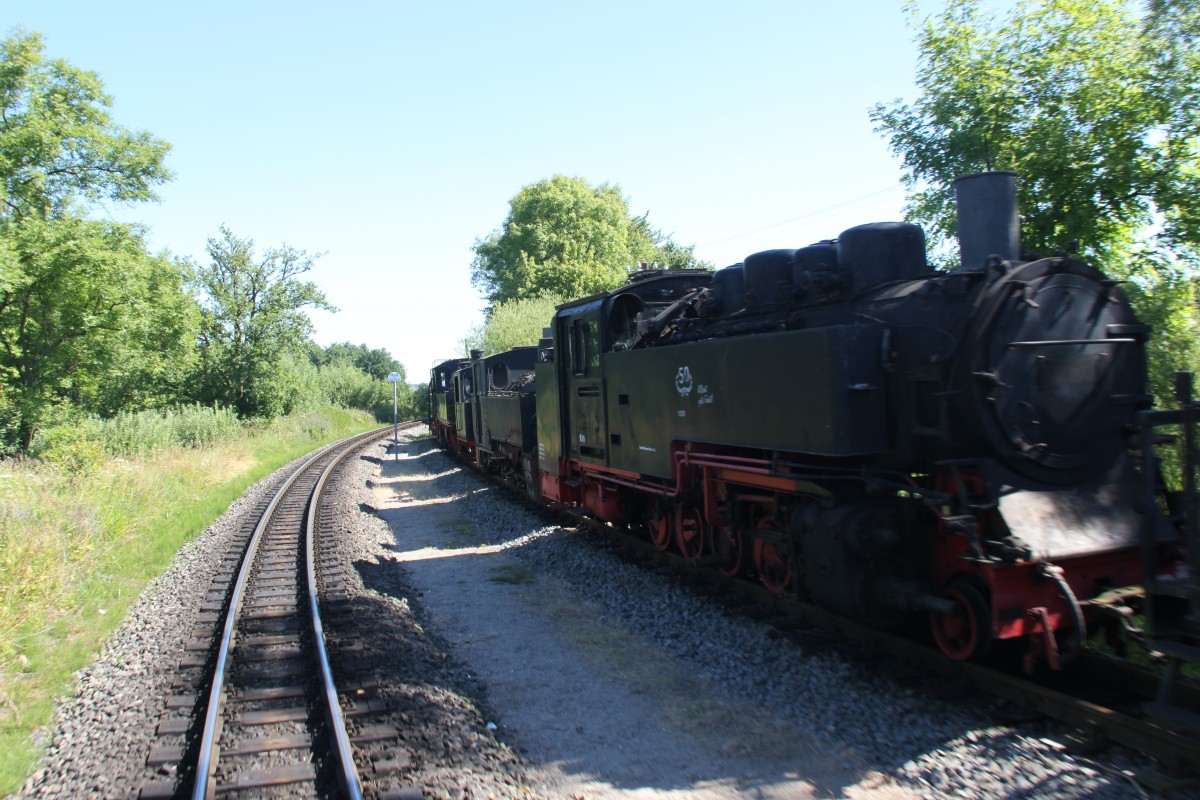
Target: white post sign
<point>394,379</point>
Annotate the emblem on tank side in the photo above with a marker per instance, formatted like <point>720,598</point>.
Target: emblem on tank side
<point>683,381</point>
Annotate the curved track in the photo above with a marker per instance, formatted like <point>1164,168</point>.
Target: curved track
<point>266,717</point>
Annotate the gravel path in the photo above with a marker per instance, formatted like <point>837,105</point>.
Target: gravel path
<point>534,663</point>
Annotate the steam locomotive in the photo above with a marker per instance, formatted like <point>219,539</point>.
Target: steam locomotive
<point>849,425</point>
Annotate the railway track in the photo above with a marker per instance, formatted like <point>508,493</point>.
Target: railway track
<point>260,714</point>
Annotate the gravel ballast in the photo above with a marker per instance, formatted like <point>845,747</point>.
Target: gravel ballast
<point>550,666</point>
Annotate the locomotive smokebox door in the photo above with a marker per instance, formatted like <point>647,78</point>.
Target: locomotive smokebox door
<point>1068,371</point>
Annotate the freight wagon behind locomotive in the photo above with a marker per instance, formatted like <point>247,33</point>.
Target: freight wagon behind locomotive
<point>852,426</point>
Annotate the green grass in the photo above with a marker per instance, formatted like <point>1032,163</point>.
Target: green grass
<point>79,542</point>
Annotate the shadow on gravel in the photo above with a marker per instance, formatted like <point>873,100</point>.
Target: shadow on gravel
<point>573,691</point>
<point>430,700</point>
<point>442,708</point>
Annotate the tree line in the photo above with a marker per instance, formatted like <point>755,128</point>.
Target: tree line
<point>92,322</point>
<point>1096,105</point>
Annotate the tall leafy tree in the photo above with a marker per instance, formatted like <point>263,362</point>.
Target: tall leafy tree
<point>253,320</point>
<point>1057,91</point>
<point>58,143</point>
<point>76,296</point>
<point>567,238</point>
<point>1171,47</point>
<point>155,355</point>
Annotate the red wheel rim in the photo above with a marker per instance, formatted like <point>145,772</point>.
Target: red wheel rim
<point>967,633</point>
<point>774,567</point>
<point>660,531</point>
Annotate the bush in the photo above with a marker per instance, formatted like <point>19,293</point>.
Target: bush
<point>67,446</point>
<point>348,386</point>
<point>77,446</point>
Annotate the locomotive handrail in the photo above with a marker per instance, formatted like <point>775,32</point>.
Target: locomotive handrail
<point>1052,342</point>
<point>1187,415</point>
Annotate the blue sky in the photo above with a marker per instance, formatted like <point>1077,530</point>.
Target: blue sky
<point>391,136</point>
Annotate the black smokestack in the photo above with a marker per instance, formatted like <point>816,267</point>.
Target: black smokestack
<point>988,223</point>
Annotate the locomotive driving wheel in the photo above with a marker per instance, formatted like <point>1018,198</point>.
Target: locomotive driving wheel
<point>689,532</point>
<point>966,633</point>
<point>770,559</point>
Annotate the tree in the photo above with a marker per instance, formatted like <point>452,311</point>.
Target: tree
<point>252,319</point>
<point>87,317</point>
<point>155,355</point>
<point>377,363</point>
<point>1061,92</point>
<point>58,143</point>
<point>566,238</point>
<point>77,297</point>
<point>513,323</point>
<point>1171,47</point>
<point>1166,297</point>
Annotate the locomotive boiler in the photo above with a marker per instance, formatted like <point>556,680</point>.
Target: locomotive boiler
<point>850,425</point>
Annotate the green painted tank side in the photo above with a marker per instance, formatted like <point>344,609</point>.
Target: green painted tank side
<point>728,392</point>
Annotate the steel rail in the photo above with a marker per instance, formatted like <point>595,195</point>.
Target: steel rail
<point>347,771</point>
<point>205,763</point>
<point>348,776</point>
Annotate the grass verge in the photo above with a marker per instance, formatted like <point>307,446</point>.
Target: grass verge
<point>78,547</point>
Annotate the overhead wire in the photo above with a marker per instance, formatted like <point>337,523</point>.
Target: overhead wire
<point>807,215</point>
